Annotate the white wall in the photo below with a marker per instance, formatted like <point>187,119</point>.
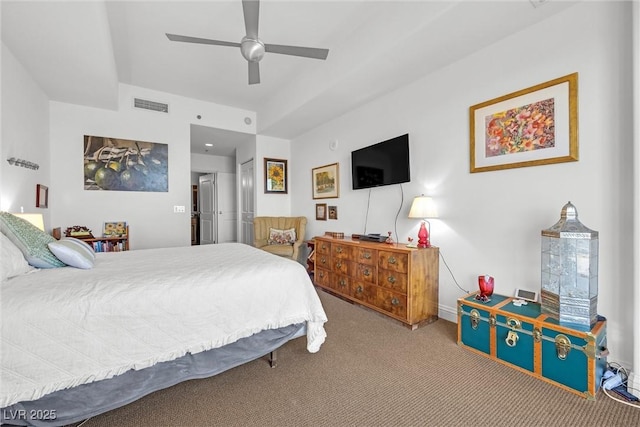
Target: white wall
<point>149,214</point>
<point>25,135</point>
<point>490,222</point>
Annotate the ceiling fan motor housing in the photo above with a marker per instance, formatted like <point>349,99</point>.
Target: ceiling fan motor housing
<point>252,49</point>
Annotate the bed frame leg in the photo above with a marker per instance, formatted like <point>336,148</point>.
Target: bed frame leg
<point>272,358</point>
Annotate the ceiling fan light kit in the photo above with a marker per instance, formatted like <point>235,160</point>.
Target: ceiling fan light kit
<point>251,47</point>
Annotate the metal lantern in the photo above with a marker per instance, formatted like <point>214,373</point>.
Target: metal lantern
<point>570,271</point>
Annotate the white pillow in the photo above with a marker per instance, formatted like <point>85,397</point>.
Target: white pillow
<point>13,261</point>
<point>282,237</point>
<point>73,252</point>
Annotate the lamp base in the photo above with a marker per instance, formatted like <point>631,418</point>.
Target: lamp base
<point>423,236</point>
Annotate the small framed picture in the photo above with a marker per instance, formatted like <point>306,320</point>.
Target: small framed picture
<point>325,182</point>
<point>321,211</point>
<point>115,229</point>
<point>333,212</point>
<point>42,196</point>
<point>275,179</point>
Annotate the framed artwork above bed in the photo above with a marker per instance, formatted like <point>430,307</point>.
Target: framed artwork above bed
<point>113,164</point>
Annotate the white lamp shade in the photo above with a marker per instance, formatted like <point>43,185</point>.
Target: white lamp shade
<point>34,218</point>
<point>423,207</point>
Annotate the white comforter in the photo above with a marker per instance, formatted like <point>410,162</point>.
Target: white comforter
<point>65,327</point>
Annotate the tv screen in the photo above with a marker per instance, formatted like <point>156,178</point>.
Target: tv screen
<point>384,163</point>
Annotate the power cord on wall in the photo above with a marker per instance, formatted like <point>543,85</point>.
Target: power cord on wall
<point>451,273</point>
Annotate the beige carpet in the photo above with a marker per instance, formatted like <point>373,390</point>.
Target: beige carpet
<point>371,371</point>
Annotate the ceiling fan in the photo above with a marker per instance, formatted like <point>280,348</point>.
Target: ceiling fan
<point>251,47</point>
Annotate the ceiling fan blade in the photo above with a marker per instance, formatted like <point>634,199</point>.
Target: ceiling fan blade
<point>251,9</point>
<point>187,39</point>
<point>307,52</point>
<point>254,73</point>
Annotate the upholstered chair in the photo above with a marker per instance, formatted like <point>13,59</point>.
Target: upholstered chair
<point>273,234</point>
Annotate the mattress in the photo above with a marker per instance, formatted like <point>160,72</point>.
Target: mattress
<point>65,327</point>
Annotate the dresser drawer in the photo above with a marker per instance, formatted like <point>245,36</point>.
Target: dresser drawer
<point>341,265</point>
<point>341,283</point>
<point>366,256</point>
<point>323,247</point>
<point>393,261</point>
<point>365,292</point>
<point>392,302</point>
<point>323,261</point>
<point>341,251</point>
<point>365,273</point>
<point>321,277</point>
<point>393,280</point>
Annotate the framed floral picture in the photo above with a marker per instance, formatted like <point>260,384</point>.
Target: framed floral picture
<point>325,182</point>
<point>115,229</point>
<point>275,180</point>
<point>534,126</point>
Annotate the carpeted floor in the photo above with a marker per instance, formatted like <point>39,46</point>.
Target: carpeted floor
<point>371,371</point>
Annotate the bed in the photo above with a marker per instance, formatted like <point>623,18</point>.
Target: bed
<point>78,342</point>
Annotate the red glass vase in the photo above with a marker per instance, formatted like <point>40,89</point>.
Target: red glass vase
<point>485,283</point>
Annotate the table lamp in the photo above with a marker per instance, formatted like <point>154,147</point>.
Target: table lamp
<point>423,207</point>
<point>33,218</point>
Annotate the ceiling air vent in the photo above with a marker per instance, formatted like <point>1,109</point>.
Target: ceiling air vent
<point>150,105</point>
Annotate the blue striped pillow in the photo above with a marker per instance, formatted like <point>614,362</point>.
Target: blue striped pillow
<point>73,252</point>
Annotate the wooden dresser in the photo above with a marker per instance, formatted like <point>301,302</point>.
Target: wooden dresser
<point>397,281</point>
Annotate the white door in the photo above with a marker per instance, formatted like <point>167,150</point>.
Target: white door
<point>206,192</point>
<point>226,207</point>
<point>246,204</point>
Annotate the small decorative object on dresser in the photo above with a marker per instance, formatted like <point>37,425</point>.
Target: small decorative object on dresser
<point>394,280</point>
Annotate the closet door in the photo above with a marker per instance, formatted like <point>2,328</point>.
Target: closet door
<point>226,207</point>
<point>208,226</point>
<point>247,202</point>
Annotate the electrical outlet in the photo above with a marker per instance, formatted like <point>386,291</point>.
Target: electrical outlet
<point>179,209</point>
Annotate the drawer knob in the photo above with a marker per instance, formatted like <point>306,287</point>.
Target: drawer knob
<point>343,283</point>
<point>395,301</point>
<point>359,289</point>
<point>339,249</point>
<point>338,264</point>
<point>366,255</point>
<point>392,260</point>
<point>321,274</point>
<point>324,246</point>
<point>366,272</point>
<point>323,260</point>
<point>391,279</point>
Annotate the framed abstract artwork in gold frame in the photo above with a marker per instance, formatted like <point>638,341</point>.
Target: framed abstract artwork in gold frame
<point>533,126</point>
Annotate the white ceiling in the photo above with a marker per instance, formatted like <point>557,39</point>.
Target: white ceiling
<point>78,51</point>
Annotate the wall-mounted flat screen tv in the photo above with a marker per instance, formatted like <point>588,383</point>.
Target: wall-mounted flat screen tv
<point>384,163</point>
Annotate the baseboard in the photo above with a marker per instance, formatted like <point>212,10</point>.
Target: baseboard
<point>633,384</point>
<point>448,313</point>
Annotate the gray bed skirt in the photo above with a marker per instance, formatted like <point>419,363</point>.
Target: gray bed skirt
<point>88,400</point>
